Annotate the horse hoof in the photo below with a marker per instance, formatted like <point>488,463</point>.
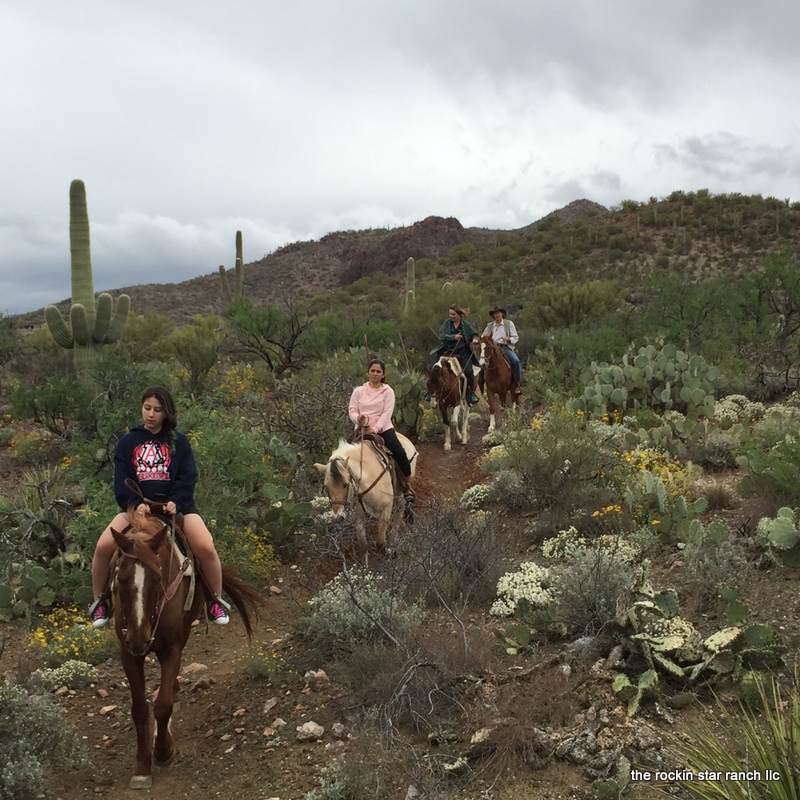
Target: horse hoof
<point>141,782</point>
<point>164,763</point>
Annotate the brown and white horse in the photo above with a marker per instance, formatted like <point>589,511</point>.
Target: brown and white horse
<point>356,478</point>
<point>497,376</point>
<point>156,599</point>
<point>447,386</point>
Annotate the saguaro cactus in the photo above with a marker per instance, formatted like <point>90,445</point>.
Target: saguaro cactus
<point>238,275</point>
<point>411,280</point>
<point>91,325</point>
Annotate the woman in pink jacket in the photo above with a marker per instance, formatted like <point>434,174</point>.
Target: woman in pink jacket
<point>371,408</point>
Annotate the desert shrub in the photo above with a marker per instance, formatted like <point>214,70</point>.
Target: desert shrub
<point>447,559</point>
<point>475,496</point>
<point>586,590</point>
<point>771,463</point>
<point>746,741</point>
<point>719,451</point>
<point>357,606</point>
<point>530,583</point>
<point>57,405</point>
<point>261,664</point>
<point>559,458</point>
<point>737,408</point>
<point>30,447</point>
<point>713,556</point>
<point>718,496</point>
<point>67,635</point>
<point>73,673</point>
<point>34,739</point>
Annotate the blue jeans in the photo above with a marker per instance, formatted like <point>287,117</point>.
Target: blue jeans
<point>516,364</point>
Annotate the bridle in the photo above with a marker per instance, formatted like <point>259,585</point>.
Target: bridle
<point>168,590</point>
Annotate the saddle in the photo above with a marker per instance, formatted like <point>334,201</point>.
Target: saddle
<point>385,457</point>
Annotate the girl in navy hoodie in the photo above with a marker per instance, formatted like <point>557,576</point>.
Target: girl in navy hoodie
<point>159,460</point>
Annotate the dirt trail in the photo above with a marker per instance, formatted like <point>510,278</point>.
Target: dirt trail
<point>219,727</point>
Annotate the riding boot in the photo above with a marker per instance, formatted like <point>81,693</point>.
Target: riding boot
<point>408,495</point>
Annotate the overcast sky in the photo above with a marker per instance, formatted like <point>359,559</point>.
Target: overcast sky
<point>190,120</point>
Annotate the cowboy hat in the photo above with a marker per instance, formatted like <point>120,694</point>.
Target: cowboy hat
<point>496,309</point>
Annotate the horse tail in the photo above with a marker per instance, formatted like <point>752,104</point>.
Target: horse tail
<point>244,596</point>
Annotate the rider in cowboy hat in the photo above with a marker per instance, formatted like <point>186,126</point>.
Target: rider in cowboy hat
<point>504,332</point>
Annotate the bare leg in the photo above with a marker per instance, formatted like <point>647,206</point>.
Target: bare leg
<point>199,538</point>
<point>103,551</point>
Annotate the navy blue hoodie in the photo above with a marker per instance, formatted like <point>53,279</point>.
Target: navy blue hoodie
<point>163,473</point>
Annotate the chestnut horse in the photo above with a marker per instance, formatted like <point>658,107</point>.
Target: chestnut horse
<point>157,594</point>
<point>497,377</point>
<point>356,477</point>
<point>447,386</point>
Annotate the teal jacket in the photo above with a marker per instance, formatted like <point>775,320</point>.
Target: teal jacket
<point>447,340</point>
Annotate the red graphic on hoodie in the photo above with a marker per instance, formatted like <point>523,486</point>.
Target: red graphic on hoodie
<point>151,461</point>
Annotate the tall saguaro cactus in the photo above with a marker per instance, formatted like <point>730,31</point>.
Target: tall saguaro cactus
<point>411,280</point>
<point>91,324</point>
<point>238,275</point>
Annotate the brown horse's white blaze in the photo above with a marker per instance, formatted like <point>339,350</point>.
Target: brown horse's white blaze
<point>447,386</point>
<point>498,377</point>
<point>355,478</point>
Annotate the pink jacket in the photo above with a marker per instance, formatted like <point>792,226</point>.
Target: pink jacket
<point>377,405</point>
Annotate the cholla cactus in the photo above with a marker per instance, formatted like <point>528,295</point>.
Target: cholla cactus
<point>91,325</point>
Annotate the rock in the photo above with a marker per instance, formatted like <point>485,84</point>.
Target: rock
<point>338,730</point>
<point>310,732</point>
<point>193,668</point>
<point>317,680</point>
<point>106,710</point>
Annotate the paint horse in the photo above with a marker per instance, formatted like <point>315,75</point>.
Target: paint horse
<point>497,377</point>
<point>157,594</point>
<point>357,477</point>
<point>447,386</point>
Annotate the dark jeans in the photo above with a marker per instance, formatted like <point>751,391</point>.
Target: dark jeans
<point>391,441</point>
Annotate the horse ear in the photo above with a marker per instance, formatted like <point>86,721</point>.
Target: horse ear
<point>158,540</point>
<point>321,467</point>
<point>123,542</point>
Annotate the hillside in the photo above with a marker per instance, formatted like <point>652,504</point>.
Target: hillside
<point>695,233</point>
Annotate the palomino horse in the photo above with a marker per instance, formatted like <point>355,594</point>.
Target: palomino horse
<point>156,599</point>
<point>497,376</point>
<point>356,477</point>
<point>447,386</point>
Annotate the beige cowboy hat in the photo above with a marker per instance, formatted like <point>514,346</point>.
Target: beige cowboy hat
<point>496,309</point>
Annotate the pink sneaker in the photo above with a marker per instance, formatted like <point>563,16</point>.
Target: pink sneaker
<point>100,613</point>
<point>217,613</point>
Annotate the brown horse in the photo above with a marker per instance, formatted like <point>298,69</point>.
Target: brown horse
<point>157,594</point>
<point>497,377</point>
<point>447,386</point>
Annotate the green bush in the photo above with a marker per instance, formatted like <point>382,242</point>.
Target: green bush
<point>357,607</point>
<point>560,459</point>
<point>771,464</point>
<point>586,590</point>
<point>34,739</point>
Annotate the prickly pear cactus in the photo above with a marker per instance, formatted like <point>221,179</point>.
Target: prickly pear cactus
<point>662,379</point>
<point>781,538</point>
<point>92,323</point>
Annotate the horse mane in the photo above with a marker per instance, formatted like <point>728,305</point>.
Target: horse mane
<point>140,535</point>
